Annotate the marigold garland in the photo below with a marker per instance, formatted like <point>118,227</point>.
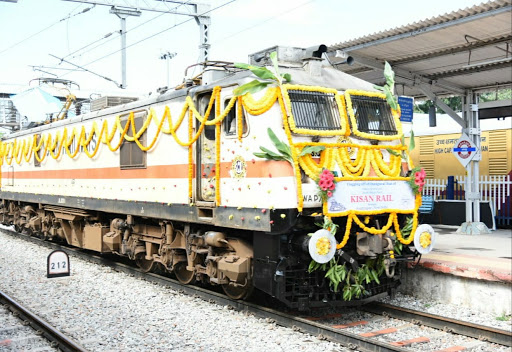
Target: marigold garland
<point>217,163</point>
<point>368,156</point>
<point>263,105</point>
<point>296,167</point>
<point>355,131</point>
<point>190,156</point>
<point>291,120</point>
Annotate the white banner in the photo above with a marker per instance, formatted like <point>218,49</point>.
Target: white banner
<point>371,195</point>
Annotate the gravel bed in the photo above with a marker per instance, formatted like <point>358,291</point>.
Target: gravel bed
<point>110,311</point>
<point>450,311</point>
<point>14,336</point>
<point>106,310</point>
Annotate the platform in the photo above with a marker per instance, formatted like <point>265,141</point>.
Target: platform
<point>470,270</point>
<point>483,257</point>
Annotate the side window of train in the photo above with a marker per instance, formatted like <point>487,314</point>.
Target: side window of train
<point>37,163</point>
<point>231,122</point>
<point>209,130</point>
<point>131,156</point>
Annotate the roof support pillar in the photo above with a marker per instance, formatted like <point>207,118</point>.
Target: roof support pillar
<point>472,225</point>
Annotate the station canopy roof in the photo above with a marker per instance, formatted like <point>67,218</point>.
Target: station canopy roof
<point>468,49</point>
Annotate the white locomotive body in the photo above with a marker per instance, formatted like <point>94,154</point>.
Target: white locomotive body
<point>173,182</point>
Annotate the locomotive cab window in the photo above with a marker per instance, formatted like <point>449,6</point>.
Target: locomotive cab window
<point>209,130</point>
<point>315,110</point>
<point>231,120</point>
<point>373,115</point>
<point>131,156</point>
<point>37,163</point>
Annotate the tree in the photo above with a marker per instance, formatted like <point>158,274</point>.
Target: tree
<point>455,103</point>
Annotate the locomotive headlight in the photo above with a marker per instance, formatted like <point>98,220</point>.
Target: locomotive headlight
<point>322,246</point>
<point>424,238</point>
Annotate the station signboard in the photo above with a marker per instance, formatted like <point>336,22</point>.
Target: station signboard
<point>464,149</point>
<point>406,108</point>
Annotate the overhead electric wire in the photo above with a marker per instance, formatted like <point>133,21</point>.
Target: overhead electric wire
<point>158,33</point>
<point>46,28</point>
<point>84,69</point>
<point>267,20</point>
<point>92,43</point>
<point>130,30</point>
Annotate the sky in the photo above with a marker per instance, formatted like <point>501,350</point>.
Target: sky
<point>33,30</point>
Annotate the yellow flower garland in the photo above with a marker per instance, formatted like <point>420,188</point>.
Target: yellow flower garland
<point>261,106</point>
<point>291,121</point>
<point>300,199</point>
<point>368,156</point>
<point>355,131</point>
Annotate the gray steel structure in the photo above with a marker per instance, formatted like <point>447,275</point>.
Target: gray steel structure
<point>462,53</point>
<point>124,8</point>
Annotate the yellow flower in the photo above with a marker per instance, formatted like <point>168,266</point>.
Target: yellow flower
<point>425,239</point>
<point>323,245</point>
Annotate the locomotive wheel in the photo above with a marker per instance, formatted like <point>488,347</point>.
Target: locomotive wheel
<point>144,264</point>
<point>183,275</point>
<point>44,235</point>
<point>237,292</point>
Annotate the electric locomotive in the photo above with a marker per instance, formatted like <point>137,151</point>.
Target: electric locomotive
<point>303,191</point>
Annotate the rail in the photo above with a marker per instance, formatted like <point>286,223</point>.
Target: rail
<point>63,342</point>
<point>481,332</point>
<point>311,325</point>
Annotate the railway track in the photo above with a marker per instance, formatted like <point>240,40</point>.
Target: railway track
<point>23,330</point>
<point>376,327</point>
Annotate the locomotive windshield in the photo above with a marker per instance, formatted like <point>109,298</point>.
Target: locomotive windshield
<point>315,110</point>
<point>373,115</point>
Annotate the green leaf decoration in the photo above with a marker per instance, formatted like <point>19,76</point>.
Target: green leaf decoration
<point>412,143</point>
<point>313,266</point>
<point>375,276</point>
<point>390,98</point>
<point>273,58</point>
<point>243,66</point>
<point>270,152</point>
<point>389,75</point>
<point>311,149</point>
<point>394,152</point>
<point>251,87</point>
<point>283,148</point>
<point>263,73</point>
<point>378,87</point>
<point>261,155</point>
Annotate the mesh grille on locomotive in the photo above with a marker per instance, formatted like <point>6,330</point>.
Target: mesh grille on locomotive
<point>314,110</point>
<point>373,115</point>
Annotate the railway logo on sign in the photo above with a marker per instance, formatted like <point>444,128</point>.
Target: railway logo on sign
<point>464,149</point>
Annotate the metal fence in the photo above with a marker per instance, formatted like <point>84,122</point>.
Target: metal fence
<point>494,189</point>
